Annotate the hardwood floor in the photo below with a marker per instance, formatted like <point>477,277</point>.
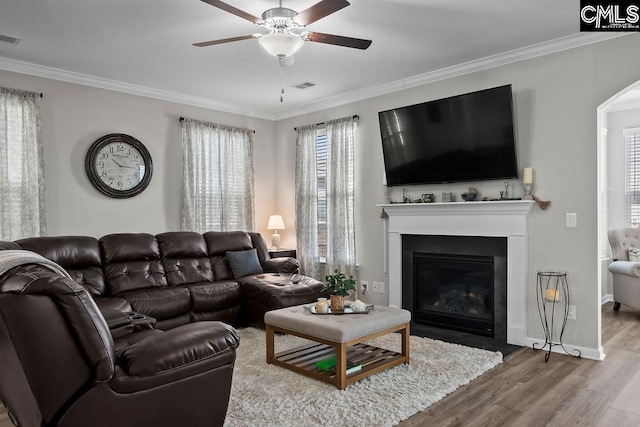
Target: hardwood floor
<point>524,391</point>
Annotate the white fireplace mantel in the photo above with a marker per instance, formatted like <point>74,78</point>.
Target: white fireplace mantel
<point>488,219</point>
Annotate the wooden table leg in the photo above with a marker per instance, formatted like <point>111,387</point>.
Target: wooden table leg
<point>270,346</point>
<point>405,342</point>
<point>341,366</point>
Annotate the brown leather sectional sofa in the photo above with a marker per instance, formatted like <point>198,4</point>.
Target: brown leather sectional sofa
<point>178,277</point>
<point>141,334</point>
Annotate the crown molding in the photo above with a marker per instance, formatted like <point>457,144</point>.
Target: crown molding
<point>516,55</point>
<point>132,89</point>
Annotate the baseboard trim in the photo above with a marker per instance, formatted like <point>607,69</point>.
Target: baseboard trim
<point>606,298</point>
<point>586,352</point>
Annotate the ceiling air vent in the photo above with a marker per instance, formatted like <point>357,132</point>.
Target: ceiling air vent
<point>9,39</point>
<point>304,85</point>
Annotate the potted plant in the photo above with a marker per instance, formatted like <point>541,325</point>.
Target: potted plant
<point>338,287</point>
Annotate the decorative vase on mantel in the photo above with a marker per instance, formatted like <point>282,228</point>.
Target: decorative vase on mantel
<point>337,303</point>
<point>338,286</point>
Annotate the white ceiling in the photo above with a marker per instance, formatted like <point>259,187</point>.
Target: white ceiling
<point>148,44</point>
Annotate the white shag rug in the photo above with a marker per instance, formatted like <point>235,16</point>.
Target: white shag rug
<point>268,395</point>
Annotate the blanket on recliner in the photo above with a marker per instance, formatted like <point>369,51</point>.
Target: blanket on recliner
<point>15,257</point>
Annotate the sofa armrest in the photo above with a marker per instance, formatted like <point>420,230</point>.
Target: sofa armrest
<point>178,347</point>
<point>119,323</point>
<point>281,265</point>
<point>627,268</point>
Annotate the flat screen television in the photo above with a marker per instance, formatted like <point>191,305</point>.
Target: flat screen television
<point>467,137</point>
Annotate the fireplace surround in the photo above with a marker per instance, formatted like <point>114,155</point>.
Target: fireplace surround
<point>503,219</point>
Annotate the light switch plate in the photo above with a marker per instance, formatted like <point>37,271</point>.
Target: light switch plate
<point>571,220</point>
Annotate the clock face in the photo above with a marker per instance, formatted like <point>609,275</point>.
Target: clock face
<point>119,165</point>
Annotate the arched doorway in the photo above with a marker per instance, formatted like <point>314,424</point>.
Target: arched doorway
<point>620,112</point>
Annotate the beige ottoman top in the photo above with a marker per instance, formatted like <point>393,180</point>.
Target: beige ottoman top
<point>337,328</point>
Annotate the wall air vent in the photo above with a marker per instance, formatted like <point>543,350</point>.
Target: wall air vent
<point>304,85</point>
<point>9,39</point>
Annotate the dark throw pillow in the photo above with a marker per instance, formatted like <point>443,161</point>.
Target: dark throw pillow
<point>244,263</point>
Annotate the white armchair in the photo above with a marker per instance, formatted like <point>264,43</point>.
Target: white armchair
<point>626,274</point>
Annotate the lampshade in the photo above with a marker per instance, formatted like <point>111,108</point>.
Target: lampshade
<point>281,44</point>
<point>275,223</point>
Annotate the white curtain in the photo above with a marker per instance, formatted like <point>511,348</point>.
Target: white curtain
<point>341,252</point>
<point>307,203</point>
<point>341,233</point>
<point>22,192</point>
<point>218,183</point>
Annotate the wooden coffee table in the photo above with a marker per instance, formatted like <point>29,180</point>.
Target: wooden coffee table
<point>340,336</point>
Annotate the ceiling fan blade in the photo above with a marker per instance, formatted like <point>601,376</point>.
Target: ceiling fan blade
<point>228,8</point>
<point>220,41</point>
<point>319,11</point>
<point>338,40</point>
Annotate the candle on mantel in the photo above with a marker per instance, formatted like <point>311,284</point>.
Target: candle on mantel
<point>527,176</point>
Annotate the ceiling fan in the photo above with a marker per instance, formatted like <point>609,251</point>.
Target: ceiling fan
<point>284,24</point>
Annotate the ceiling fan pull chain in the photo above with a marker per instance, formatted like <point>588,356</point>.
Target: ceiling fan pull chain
<point>281,79</point>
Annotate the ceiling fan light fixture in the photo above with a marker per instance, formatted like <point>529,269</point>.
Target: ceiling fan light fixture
<point>281,45</point>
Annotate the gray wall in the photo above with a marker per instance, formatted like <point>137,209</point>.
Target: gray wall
<point>556,98</point>
<point>74,116</point>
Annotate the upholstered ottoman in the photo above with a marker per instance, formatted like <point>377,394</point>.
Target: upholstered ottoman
<point>339,336</point>
<point>271,291</point>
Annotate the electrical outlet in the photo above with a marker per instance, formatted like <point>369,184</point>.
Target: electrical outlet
<point>376,288</point>
<point>381,287</point>
<point>571,220</point>
<point>364,285</point>
<point>572,312</point>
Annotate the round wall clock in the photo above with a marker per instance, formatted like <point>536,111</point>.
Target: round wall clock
<point>119,165</point>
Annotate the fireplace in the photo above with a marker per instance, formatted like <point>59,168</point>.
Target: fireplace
<point>456,283</point>
<point>506,220</point>
<point>454,291</point>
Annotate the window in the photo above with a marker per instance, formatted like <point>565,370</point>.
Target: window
<point>321,177</point>
<point>325,224</point>
<point>218,177</point>
<point>632,177</point>
<point>22,194</point>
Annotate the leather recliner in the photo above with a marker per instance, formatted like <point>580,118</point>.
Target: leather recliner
<point>60,367</point>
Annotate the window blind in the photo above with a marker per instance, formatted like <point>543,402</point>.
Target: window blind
<point>632,177</point>
<point>321,174</point>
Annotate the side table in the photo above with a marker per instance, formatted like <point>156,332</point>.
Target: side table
<point>277,253</point>
<point>552,292</point>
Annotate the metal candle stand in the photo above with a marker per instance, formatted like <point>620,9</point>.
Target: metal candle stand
<point>555,281</point>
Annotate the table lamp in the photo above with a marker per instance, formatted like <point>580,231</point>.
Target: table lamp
<point>275,224</point>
